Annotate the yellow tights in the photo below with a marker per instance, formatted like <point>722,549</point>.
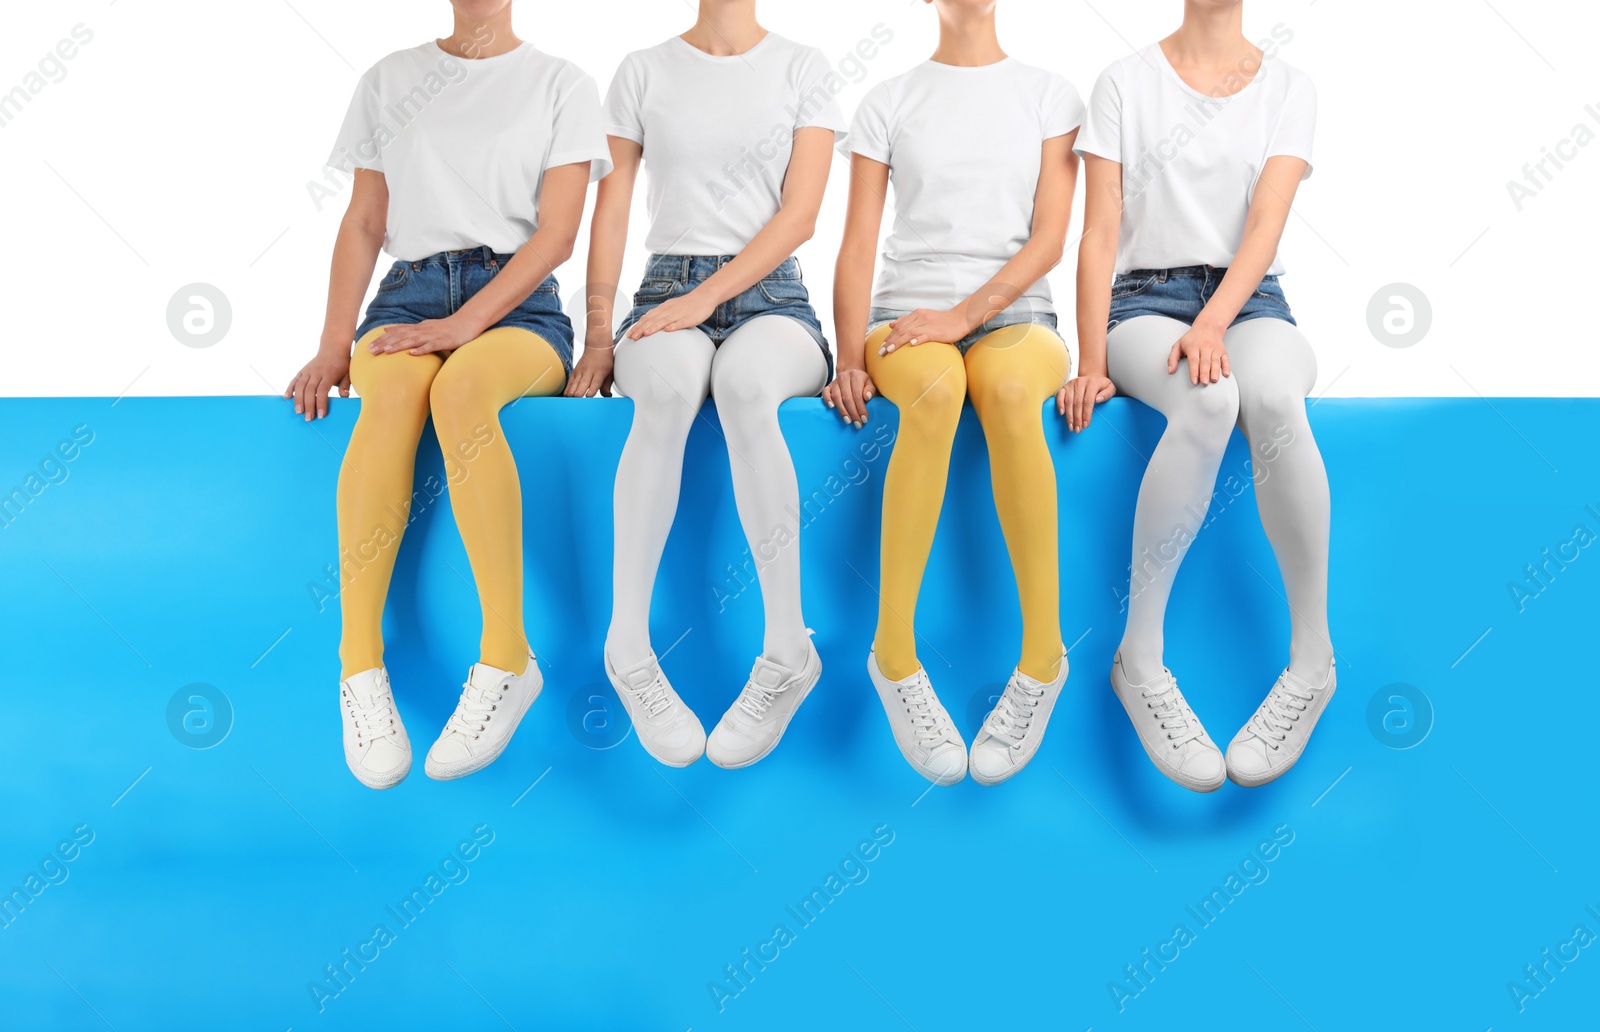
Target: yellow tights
<point>465,393</point>
<point>1009,374</point>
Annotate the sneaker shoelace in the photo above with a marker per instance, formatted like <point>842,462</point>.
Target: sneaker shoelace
<point>1172,712</point>
<point>1278,713</point>
<point>373,715</point>
<point>1013,714</point>
<point>653,696</point>
<point>929,722</point>
<point>756,698</point>
<point>475,709</point>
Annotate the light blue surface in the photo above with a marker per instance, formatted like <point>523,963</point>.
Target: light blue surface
<point>183,544</point>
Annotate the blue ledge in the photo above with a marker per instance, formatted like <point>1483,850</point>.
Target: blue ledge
<point>211,864</point>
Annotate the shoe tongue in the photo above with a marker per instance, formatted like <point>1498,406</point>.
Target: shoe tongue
<point>485,677</point>
<point>1299,684</point>
<point>640,675</point>
<point>366,685</point>
<point>768,675</point>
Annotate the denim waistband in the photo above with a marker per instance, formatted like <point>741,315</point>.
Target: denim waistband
<point>685,267</point>
<point>465,256</point>
<point>1193,271</point>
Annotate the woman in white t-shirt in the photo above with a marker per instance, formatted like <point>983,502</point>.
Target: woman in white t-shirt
<point>1202,140</point>
<point>469,160</point>
<point>978,147</point>
<point>735,125</point>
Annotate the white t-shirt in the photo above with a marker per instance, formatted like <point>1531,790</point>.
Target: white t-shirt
<point>716,133</point>
<point>463,144</point>
<point>1190,161</point>
<point>963,149</point>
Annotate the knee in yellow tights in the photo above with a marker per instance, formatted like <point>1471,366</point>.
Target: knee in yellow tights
<point>927,384</point>
<point>374,496</point>
<point>480,378</point>
<point>1010,374</point>
<point>465,395</point>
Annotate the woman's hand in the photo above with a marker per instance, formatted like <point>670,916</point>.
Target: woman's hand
<point>849,393</point>
<point>1078,398</point>
<point>423,338</point>
<point>1203,347</point>
<point>311,385</point>
<point>592,375</point>
<point>923,325</point>
<point>679,313</point>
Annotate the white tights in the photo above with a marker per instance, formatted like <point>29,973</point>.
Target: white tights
<point>1273,370</point>
<point>668,375</point>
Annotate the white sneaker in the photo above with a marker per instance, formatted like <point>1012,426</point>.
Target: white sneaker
<point>667,728</point>
<point>756,721</point>
<point>375,743</point>
<point>492,704</point>
<point>1271,741</point>
<point>1169,731</point>
<point>922,729</point>
<point>1014,728</point>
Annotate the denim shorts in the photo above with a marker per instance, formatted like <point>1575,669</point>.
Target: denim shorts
<point>782,292</point>
<point>1021,312</point>
<point>1181,293</point>
<point>437,286</point>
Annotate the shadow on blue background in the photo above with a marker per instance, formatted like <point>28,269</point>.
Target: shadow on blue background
<point>187,851</point>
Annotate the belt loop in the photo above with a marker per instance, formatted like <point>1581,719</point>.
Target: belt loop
<point>1161,277</point>
<point>684,268</point>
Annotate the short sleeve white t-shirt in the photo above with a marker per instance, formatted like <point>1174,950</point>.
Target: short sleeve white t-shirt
<point>1190,161</point>
<point>963,146</point>
<point>716,134</point>
<point>463,144</point>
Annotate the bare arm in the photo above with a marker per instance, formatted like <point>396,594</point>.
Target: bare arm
<point>608,241</point>
<point>803,183</point>
<point>561,199</point>
<point>852,288</point>
<point>1047,240</point>
<point>1097,257</point>
<point>1258,247</point>
<point>355,254</point>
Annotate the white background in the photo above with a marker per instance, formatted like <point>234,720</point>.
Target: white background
<point>178,145</point>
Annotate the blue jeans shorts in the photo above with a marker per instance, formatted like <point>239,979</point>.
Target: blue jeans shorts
<point>781,292</point>
<point>1181,294</point>
<point>437,286</point>
<point>1021,312</point>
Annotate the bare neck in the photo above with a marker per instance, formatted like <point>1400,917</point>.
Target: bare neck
<point>488,38</point>
<point>1209,36</point>
<point>968,39</point>
<point>725,28</point>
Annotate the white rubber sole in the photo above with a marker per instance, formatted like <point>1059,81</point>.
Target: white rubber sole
<point>1247,781</point>
<point>442,772</point>
<point>1065,674</point>
<point>1175,776</point>
<point>644,743</point>
<point>379,781</point>
<point>783,729</point>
